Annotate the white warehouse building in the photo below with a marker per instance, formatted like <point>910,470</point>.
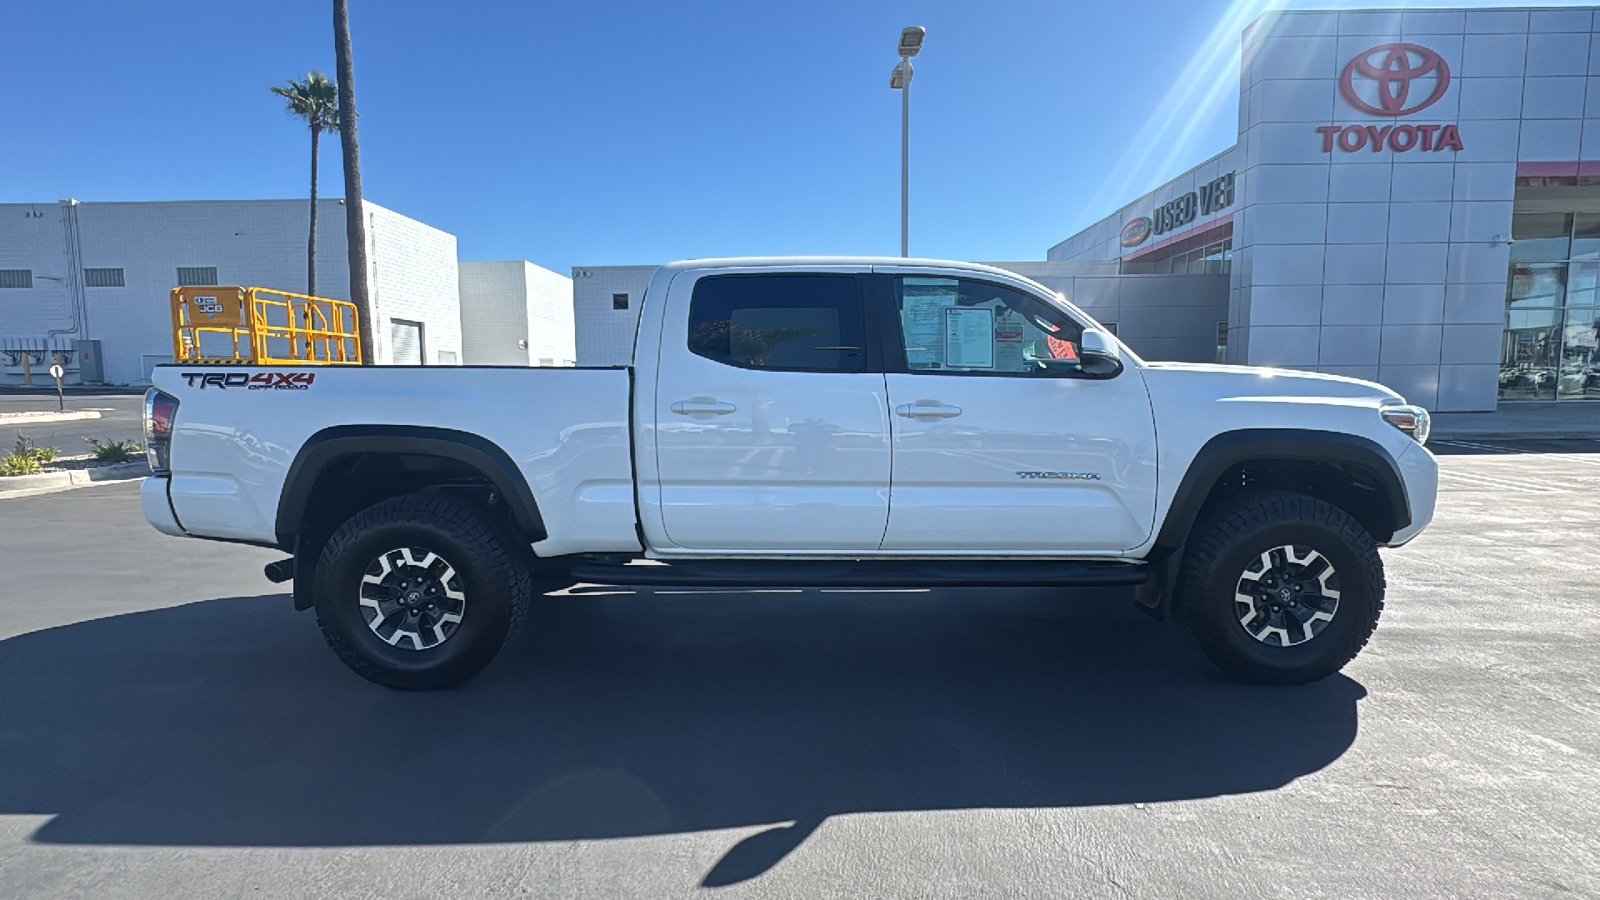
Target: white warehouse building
<point>605,311</point>
<point>83,274</point>
<point>514,313</point>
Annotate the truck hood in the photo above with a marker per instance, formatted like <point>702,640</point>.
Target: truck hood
<point>1241,382</point>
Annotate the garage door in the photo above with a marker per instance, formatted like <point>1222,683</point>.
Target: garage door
<point>406,339</point>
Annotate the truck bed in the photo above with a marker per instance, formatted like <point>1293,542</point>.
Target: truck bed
<point>240,428</point>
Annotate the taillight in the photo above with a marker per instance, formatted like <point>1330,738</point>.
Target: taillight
<point>159,410</point>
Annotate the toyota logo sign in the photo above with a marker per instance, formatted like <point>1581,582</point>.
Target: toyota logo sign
<point>1391,80</point>
<point>1392,76</point>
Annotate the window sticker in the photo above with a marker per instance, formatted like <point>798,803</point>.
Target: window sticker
<point>1060,349</point>
<point>969,338</point>
<point>1008,333</point>
<point>922,306</point>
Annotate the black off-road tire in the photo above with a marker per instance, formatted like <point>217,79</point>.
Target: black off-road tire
<point>1230,538</point>
<point>488,564</point>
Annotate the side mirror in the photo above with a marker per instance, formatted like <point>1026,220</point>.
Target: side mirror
<point>1099,357</point>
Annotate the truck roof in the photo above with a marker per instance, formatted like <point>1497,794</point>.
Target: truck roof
<point>664,274</point>
<point>763,261</point>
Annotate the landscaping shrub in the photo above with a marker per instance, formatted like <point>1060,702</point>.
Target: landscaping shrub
<point>115,451</point>
<point>26,459</point>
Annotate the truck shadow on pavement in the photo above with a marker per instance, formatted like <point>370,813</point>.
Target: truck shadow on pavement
<point>625,713</point>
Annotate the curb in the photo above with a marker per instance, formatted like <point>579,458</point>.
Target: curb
<point>1517,436</point>
<point>50,482</point>
<point>70,389</point>
<point>24,419</point>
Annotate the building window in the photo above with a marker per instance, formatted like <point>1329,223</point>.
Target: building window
<point>16,278</point>
<point>1199,255</point>
<point>1551,348</point>
<point>196,275</point>
<point>1222,342</point>
<point>619,301</point>
<point>103,278</point>
<point>1110,328</point>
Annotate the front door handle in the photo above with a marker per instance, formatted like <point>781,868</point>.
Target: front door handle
<point>927,409</point>
<point>702,406</point>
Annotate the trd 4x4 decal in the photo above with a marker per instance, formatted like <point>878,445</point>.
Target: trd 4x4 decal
<point>252,381</point>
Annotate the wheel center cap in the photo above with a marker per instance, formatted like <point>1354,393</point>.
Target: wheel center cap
<point>413,597</point>
<point>1285,595</point>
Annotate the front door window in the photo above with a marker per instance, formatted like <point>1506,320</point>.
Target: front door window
<point>962,326</point>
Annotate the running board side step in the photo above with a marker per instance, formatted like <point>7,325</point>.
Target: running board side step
<point>868,573</point>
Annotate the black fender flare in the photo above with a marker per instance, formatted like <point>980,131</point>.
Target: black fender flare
<point>331,445</point>
<point>1230,448</point>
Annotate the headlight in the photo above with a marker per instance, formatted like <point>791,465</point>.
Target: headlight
<point>1413,420</point>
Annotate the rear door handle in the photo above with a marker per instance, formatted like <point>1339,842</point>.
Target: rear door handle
<point>927,409</point>
<point>702,406</point>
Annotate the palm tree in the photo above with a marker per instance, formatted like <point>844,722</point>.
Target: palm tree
<point>355,225</point>
<point>317,101</point>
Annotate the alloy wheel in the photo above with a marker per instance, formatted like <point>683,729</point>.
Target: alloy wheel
<point>412,598</point>
<point>1287,596</point>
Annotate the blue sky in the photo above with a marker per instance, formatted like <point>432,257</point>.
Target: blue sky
<point>616,133</point>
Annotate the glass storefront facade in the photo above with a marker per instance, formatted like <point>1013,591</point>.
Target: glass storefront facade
<point>1204,255</point>
<point>1551,349</point>
<point>1464,278</point>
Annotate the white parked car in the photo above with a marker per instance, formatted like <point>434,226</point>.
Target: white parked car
<point>798,422</point>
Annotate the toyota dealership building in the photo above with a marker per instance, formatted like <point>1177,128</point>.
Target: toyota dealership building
<point>1414,198</point>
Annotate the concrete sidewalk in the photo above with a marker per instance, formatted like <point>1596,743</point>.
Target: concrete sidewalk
<point>44,417</point>
<point>1573,419</point>
<point>14,486</point>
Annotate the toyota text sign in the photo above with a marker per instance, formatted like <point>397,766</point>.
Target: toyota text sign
<point>1397,79</point>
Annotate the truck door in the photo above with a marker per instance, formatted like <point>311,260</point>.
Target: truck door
<point>1000,444</point>
<point>771,418</point>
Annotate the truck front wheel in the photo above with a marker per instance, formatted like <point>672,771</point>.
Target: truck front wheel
<point>1280,588</point>
<point>419,592</point>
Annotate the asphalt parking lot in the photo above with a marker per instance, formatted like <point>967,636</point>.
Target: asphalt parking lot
<point>173,729</point>
<point>121,419</point>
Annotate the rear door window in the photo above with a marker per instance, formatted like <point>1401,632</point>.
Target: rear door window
<point>799,322</point>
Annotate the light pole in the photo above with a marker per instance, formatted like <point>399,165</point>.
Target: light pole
<point>900,80</point>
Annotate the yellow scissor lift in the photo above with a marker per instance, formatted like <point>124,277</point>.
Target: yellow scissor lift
<point>242,325</point>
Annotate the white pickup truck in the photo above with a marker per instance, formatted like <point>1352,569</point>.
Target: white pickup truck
<point>806,422</point>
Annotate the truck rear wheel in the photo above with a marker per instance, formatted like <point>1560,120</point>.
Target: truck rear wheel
<point>1280,588</point>
<point>419,592</point>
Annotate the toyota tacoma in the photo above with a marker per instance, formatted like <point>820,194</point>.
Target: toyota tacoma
<point>805,422</point>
